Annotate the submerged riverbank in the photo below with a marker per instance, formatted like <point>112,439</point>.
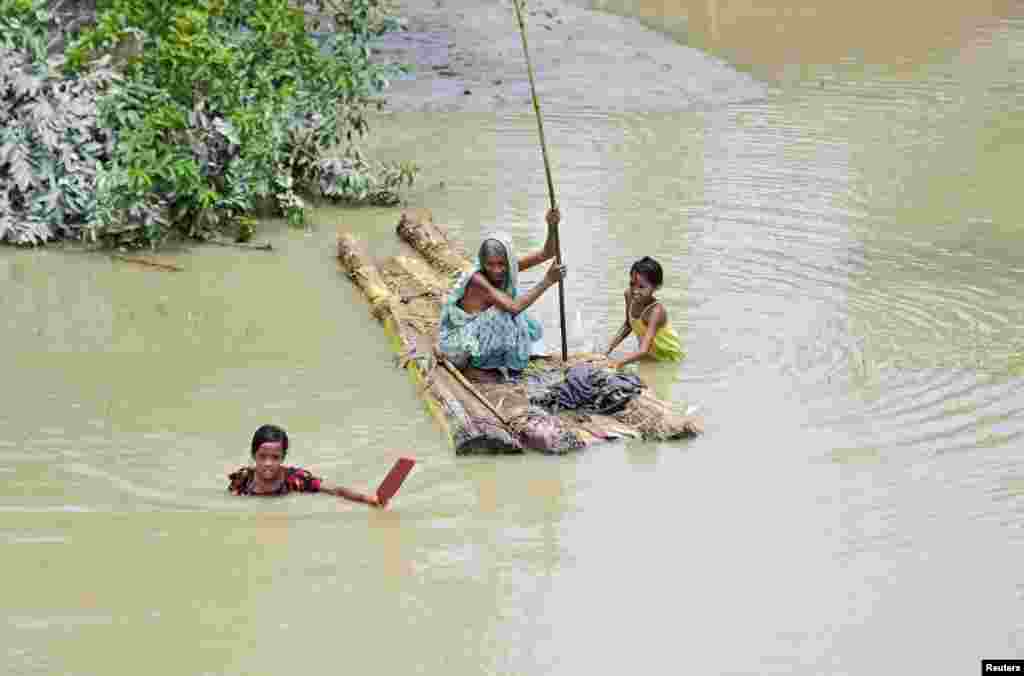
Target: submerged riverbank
<point>468,57</point>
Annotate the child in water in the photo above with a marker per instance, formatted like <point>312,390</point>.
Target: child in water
<point>646,317</point>
<point>270,477</point>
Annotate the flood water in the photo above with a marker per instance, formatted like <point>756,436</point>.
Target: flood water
<point>844,261</point>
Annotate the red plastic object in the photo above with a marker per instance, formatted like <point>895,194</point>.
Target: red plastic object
<point>393,481</point>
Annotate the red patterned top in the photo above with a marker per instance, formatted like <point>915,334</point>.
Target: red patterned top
<point>296,480</point>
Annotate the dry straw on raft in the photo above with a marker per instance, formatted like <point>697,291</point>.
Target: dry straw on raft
<point>470,426</point>
<point>649,418</point>
<point>405,295</point>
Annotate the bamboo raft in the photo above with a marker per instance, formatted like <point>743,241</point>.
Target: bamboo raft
<point>478,413</point>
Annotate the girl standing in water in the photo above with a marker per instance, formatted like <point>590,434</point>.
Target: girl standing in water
<point>270,477</point>
<point>646,318</point>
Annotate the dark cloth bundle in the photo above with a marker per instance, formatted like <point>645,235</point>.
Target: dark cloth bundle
<point>586,388</point>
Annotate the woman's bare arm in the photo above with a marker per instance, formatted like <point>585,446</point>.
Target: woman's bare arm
<point>516,305</point>
<point>548,252</point>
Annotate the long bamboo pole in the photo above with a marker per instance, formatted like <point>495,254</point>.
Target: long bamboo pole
<point>547,172</point>
<point>455,373</point>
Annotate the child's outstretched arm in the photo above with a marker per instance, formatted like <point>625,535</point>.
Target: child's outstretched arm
<point>623,330</point>
<point>618,338</point>
<point>658,319</point>
<point>349,494</point>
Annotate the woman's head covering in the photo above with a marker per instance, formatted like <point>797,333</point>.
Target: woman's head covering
<point>492,339</point>
<point>450,310</point>
<point>500,244</point>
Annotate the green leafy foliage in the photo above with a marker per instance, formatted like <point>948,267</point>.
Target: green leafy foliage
<point>222,103</point>
<point>353,179</point>
<point>235,101</point>
<point>51,138</point>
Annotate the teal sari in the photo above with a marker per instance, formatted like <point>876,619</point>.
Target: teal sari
<point>492,339</point>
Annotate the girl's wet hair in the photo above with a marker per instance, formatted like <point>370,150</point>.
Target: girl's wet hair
<point>270,434</point>
<point>490,248</point>
<point>649,269</point>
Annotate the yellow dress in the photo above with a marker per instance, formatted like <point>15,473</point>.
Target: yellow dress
<point>667,346</point>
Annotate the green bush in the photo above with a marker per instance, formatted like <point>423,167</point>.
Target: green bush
<point>222,104</point>
<point>51,137</point>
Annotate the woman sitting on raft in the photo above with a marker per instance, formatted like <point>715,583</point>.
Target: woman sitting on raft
<point>482,321</point>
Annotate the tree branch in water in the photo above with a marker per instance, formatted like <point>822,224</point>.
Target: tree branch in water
<point>149,263</point>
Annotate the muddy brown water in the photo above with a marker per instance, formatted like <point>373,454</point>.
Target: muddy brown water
<point>844,261</point>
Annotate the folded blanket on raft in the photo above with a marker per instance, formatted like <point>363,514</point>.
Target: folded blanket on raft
<point>589,389</point>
